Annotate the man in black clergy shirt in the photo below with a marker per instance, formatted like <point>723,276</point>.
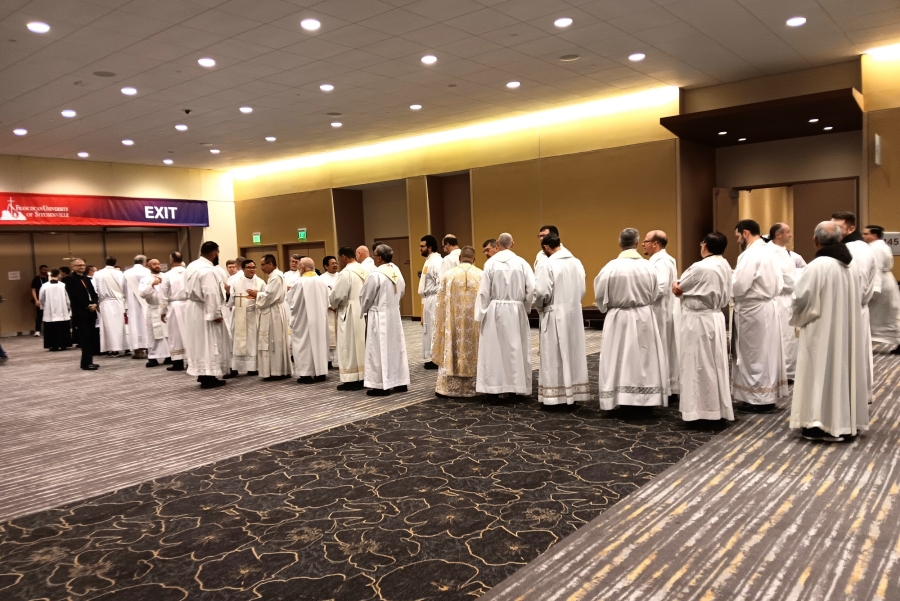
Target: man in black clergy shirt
<point>83,300</point>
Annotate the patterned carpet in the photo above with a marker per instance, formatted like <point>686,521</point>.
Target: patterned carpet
<point>437,500</point>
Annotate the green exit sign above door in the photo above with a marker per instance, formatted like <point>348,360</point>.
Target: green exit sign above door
<point>301,233</point>
<point>257,237</point>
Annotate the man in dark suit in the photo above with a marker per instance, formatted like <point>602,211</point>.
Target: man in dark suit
<point>84,302</point>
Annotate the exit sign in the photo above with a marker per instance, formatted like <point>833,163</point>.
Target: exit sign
<point>301,233</point>
<point>257,238</point>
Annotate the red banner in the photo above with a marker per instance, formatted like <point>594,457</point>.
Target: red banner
<point>58,209</point>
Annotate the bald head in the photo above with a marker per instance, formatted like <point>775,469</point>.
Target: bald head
<point>505,241</point>
<point>307,264</point>
<point>654,241</point>
<point>362,253</point>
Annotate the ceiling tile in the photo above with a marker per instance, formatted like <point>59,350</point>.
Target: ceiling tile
<point>316,48</point>
<point>353,10</point>
<point>482,21</point>
<point>442,10</point>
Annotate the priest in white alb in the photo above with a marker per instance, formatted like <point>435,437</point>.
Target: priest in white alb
<point>884,308</point>
<point>866,265</point>
<point>308,312</point>
<point>664,308</point>
<point>109,284</point>
<point>244,319</point>
<point>450,246</point>
<point>387,366</point>
<point>207,342</point>
<point>136,307</point>
<point>558,290</point>
<point>330,277</point>
<point>363,258</point>
<point>172,290</point>
<point>759,376</point>
<point>780,235</point>
<point>154,315</point>
<point>632,357</point>
<point>428,285</point>
<point>705,290</point>
<point>502,307</point>
<point>456,333</point>
<point>830,391</point>
<point>57,313</point>
<point>351,322</point>
<point>273,340</point>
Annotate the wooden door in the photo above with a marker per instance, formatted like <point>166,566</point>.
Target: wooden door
<point>313,250</point>
<point>16,308</point>
<point>159,245</point>
<point>57,250</point>
<point>256,253</point>
<point>401,260</point>
<point>124,246</point>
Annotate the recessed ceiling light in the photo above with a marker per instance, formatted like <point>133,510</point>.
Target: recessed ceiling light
<point>129,91</point>
<point>38,27</point>
<point>326,87</point>
<point>168,161</point>
<point>563,22</point>
<point>181,127</point>
<point>568,58</point>
<point>310,24</point>
<point>214,150</point>
<point>68,113</point>
<point>637,57</point>
<point>722,133</point>
<point>83,154</point>
<point>246,110</point>
<point>796,21</point>
<point>206,62</point>
<point>270,138</point>
<point>336,124</point>
<point>20,131</point>
<point>429,59</point>
<point>828,128</point>
<point>415,107</point>
<point>813,120</point>
<point>128,142</point>
<point>742,139</point>
<point>513,85</point>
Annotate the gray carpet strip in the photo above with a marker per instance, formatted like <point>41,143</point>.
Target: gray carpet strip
<point>758,513</point>
<point>69,434</point>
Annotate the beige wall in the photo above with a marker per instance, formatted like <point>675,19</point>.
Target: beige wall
<point>884,179</point>
<point>787,161</point>
<point>384,211</point>
<point>63,176</point>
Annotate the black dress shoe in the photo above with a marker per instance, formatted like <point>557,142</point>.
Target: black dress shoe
<point>91,367</point>
<point>896,351</point>
<point>751,408</point>
<point>320,378</point>
<point>252,373</point>
<point>152,363</point>
<point>400,388</point>
<point>167,361</point>
<point>177,365</point>
<point>430,365</point>
<point>377,392</point>
<point>214,383</point>
<point>351,385</point>
<point>330,366</point>
<point>275,378</point>
<point>232,374</point>
<point>305,380</point>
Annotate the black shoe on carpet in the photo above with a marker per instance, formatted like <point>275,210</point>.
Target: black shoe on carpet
<point>330,365</point>
<point>403,388</point>
<point>377,392</point>
<point>305,380</point>
<point>177,365</point>
<point>152,363</point>
<point>232,374</point>
<point>790,382</point>
<point>275,378</point>
<point>91,367</point>
<point>167,361</point>
<point>818,434</point>
<point>673,399</point>
<point>896,351</point>
<point>320,378</point>
<point>252,373</point>
<point>125,354</point>
<point>430,365</point>
<point>214,383</point>
<point>750,408</point>
<point>351,385</point>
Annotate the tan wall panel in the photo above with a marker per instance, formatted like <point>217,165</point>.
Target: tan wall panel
<point>593,196</point>
<point>881,83</point>
<point>384,212</point>
<point>816,202</point>
<point>278,218</point>
<point>418,225</point>
<point>17,308</point>
<point>884,179</point>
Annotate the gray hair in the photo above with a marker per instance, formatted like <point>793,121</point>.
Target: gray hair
<point>140,260</point>
<point>828,233</point>
<point>385,252</point>
<point>505,240</point>
<point>628,238</point>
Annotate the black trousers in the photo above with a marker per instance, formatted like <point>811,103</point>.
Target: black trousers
<point>38,319</point>
<point>83,326</point>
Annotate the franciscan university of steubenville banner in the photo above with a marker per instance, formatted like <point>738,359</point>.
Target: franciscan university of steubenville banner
<point>60,209</point>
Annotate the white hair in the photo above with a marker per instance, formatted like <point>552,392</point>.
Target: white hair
<point>505,240</point>
<point>828,233</point>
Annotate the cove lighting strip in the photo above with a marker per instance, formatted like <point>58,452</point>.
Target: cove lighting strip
<point>885,53</point>
<point>595,108</point>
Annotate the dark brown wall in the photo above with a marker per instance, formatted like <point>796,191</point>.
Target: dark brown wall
<point>349,218</point>
<point>816,202</point>
<point>457,200</point>
<point>698,178</point>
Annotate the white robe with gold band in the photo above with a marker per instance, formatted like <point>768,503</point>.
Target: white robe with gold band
<point>244,322</point>
<point>632,357</point>
<point>172,290</point>
<point>272,351</point>
<point>387,365</point>
<point>157,330</point>
<point>351,322</point>
<point>308,303</point>
<point>558,290</point>
<point>759,376</point>
<point>456,333</point>
<point>428,286</point>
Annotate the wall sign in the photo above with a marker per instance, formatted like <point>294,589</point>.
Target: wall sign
<point>892,239</point>
<point>60,209</point>
<point>12,276</point>
<point>301,233</point>
<point>257,238</point>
